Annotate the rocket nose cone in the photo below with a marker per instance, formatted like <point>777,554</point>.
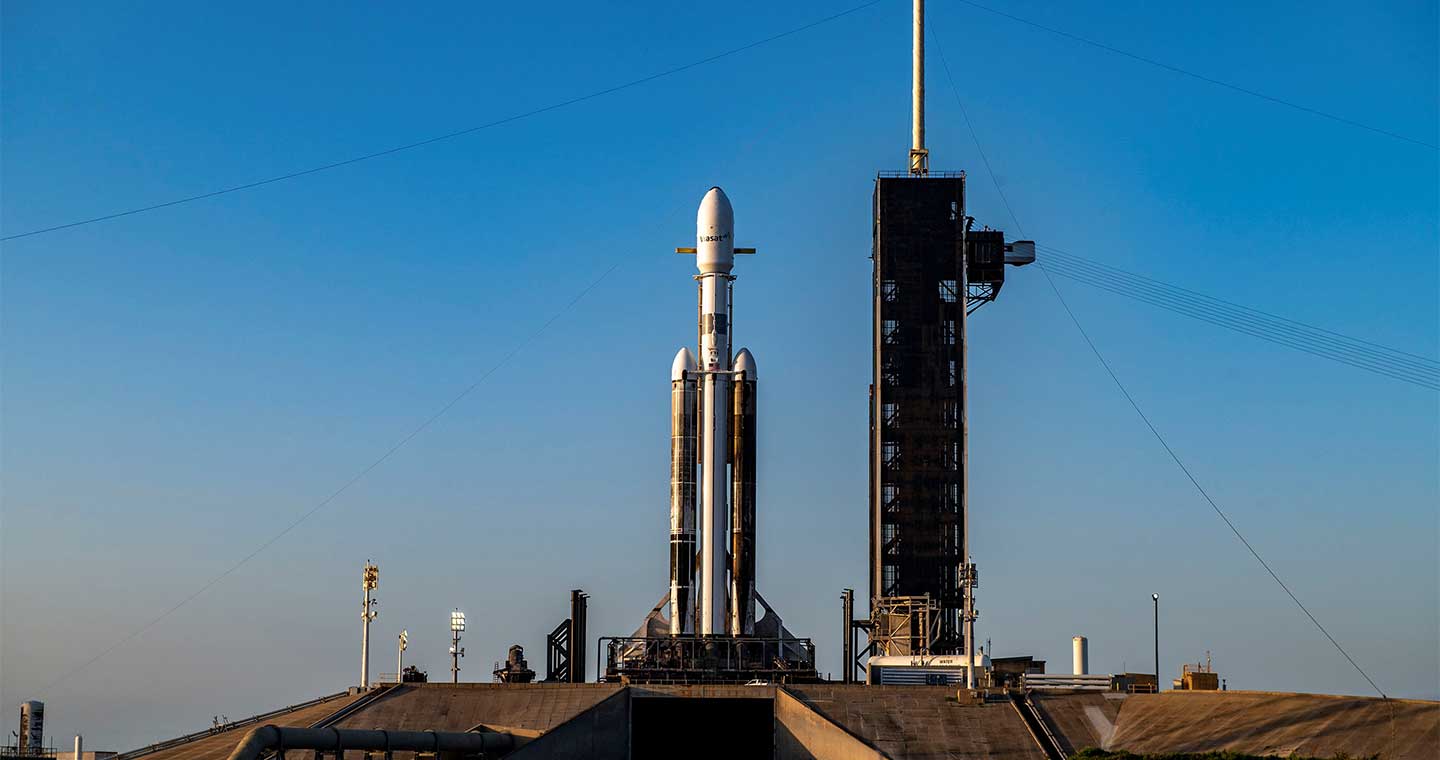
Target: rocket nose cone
<point>715,232</point>
<point>715,212</point>
<point>684,362</point>
<point>745,362</point>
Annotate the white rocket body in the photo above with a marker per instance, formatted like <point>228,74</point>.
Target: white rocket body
<point>712,375</point>
<point>715,257</point>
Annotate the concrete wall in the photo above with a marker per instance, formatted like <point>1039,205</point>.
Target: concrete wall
<point>602,733</point>
<point>803,734</point>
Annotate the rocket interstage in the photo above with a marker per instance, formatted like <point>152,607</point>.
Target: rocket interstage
<point>712,462</point>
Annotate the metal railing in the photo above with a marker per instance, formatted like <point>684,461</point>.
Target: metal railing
<point>898,174</point>
<point>1035,723</point>
<point>13,751</point>
<point>1068,682</point>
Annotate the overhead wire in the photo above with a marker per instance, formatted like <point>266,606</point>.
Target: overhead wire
<point>443,137</point>
<point>1386,365</point>
<point>343,488</point>
<point>366,470</point>
<point>1279,333</point>
<point>1422,382</point>
<point>427,422</point>
<point>1360,344</point>
<point>1201,77</point>
<point>955,91</point>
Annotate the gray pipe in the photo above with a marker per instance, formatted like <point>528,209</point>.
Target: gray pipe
<point>273,738</point>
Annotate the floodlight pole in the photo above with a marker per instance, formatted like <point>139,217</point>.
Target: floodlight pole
<point>457,625</point>
<point>1156,599</point>
<point>400,657</point>
<point>369,581</point>
<point>455,656</point>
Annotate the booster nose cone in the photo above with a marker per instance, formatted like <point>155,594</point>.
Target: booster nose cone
<point>745,362</point>
<point>684,362</point>
<point>715,233</point>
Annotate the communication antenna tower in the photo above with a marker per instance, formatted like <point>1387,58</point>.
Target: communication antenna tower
<point>369,581</point>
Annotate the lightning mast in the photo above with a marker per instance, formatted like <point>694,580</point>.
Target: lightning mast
<point>919,156</point>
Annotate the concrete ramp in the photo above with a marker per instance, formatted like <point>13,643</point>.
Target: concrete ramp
<point>1268,723</point>
<point>536,707</point>
<point>801,733</point>
<point>922,722</point>
<point>217,745</point>
<point>600,733</point>
<point>1081,719</point>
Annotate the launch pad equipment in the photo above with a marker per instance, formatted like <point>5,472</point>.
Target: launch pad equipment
<point>565,646</point>
<point>515,669</point>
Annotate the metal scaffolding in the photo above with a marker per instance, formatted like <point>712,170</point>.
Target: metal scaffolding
<point>708,659</point>
<point>917,544</point>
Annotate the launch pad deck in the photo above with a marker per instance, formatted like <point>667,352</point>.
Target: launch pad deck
<point>708,660</point>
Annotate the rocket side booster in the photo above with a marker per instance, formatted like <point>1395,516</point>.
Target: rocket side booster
<point>721,408</point>
<point>682,493</point>
<point>742,503</point>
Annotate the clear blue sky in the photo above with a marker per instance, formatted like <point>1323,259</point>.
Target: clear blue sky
<point>180,385</point>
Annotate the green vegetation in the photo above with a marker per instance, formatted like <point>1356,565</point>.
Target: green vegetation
<point>1091,753</point>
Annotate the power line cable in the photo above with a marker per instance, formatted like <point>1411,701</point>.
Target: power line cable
<point>428,421</point>
<point>460,396</point>
<point>1376,349</point>
<point>1280,334</point>
<point>1201,77</point>
<point>1159,302</point>
<point>1154,431</point>
<point>1258,329</point>
<point>448,135</point>
<point>1127,288</point>
<point>1133,404</point>
<point>985,159</point>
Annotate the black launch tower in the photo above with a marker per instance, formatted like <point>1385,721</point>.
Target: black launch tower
<point>930,269</point>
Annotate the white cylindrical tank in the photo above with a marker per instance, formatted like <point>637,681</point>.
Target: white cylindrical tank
<point>32,727</point>
<point>1081,648</point>
<point>79,747</point>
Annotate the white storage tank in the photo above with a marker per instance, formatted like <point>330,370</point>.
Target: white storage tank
<point>32,727</point>
<point>1082,655</point>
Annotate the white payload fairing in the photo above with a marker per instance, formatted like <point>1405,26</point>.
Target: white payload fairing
<point>712,450</point>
